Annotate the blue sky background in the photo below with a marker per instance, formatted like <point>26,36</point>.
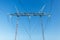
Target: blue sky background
<point>51,25</point>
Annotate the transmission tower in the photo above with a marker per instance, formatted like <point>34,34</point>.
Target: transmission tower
<point>40,14</point>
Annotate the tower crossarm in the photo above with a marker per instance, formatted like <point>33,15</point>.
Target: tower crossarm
<point>29,14</point>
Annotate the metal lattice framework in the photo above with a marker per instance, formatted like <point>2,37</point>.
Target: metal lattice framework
<point>29,14</point>
<point>40,14</point>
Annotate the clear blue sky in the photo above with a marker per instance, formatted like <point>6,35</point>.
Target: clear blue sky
<point>51,25</point>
